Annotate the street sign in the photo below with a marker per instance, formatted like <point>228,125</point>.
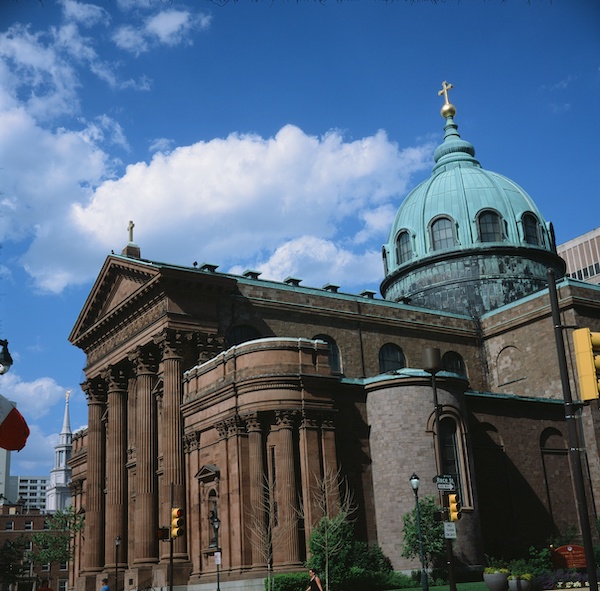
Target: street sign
<point>445,482</point>
<point>449,530</point>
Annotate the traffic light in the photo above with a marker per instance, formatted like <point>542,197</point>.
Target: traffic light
<point>177,522</point>
<point>587,357</point>
<point>163,533</point>
<point>453,507</point>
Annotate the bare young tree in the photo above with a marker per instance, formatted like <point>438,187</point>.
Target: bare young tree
<point>332,503</point>
<point>265,530</point>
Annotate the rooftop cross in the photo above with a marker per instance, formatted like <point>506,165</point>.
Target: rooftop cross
<point>445,88</point>
<point>130,227</point>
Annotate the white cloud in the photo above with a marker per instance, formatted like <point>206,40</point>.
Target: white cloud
<point>317,262</point>
<point>168,27</point>
<point>37,455</point>
<point>33,399</point>
<point>38,72</point>
<point>84,13</point>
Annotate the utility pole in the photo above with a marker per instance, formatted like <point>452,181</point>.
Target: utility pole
<point>575,451</point>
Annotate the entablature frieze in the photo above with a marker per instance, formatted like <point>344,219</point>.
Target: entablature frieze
<point>112,338</point>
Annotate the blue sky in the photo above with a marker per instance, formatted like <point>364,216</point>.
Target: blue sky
<point>275,135</point>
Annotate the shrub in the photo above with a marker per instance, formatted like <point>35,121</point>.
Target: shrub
<point>288,582</point>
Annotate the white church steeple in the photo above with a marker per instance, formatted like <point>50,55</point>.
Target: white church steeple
<point>58,493</point>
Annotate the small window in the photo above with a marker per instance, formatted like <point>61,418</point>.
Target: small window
<point>442,234</point>
<point>391,357</point>
<point>64,566</point>
<point>62,584</point>
<point>29,525</point>
<point>404,251</point>
<point>334,353</point>
<point>46,567</point>
<point>531,229</point>
<point>450,452</point>
<point>452,361</point>
<point>9,526</point>
<point>490,228</point>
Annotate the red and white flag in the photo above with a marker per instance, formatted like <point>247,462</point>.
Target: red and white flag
<point>13,428</point>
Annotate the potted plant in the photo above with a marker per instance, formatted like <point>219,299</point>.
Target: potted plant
<point>496,578</point>
<point>520,582</point>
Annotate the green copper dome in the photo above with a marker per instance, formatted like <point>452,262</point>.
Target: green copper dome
<point>487,225</point>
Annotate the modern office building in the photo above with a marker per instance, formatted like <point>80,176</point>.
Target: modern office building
<point>226,394</point>
<point>31,491</point>
<point>582,255</point>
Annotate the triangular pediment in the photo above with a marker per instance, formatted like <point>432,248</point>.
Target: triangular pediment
<point>119,280</point>
<point>208,473</point>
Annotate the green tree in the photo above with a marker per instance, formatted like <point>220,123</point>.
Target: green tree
<point>11,561</point>
<point>56,543</point>
<point>432,533</point>
<point>332,536</point>
<point>330,545</point>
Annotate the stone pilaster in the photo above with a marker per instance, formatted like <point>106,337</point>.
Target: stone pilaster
<point>258,511</point>
<point>93,557</point>
<point>288,547</point>
<point>116,459</point>
<point>146,499</point>
<point>171,435</point>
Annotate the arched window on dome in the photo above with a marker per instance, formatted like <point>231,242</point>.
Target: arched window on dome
<point>391,357</point>
<point>531,229</point>
<point>334,352</point>
<point>489,225</point>
<point>452,361</point>
<point>404,249</point>
<point>442,233</point>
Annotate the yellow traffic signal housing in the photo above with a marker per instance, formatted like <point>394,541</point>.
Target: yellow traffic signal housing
<point>453,507</point>
<point>177,522</point>
<point>587,357</point>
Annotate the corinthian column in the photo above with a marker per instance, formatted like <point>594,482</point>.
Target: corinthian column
<point>259,508</point>
<point>93,556</point>
<point>289,551</point>
<point>171,434</point>
<point>116,458</point>
<point>146,498</point>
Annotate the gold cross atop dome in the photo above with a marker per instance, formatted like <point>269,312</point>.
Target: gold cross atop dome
<point>448,110</point>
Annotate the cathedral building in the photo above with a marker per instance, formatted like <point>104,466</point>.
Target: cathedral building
<point>223,395</point>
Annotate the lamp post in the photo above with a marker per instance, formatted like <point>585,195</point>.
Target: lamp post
<point>117,544</point>
<point>5,358</point>
<point>216,522</point>
<point>414,483</point>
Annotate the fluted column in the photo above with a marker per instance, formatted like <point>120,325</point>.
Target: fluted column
<point>310,470</point>
<point>286,489</point>
<point>116,458</point>
<point>259,509</point>
<point>146,497</point>
<point>93,558</point>
<point>172,433</point>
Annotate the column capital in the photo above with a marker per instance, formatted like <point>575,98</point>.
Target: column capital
<point>95,391</point>
<point>144,361</point>
<point>191,441</point>
<point>208,345</point>
<point>286,419</point>
<point>115,378</point>
<point>170,343</point>
<point>253,422</point>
